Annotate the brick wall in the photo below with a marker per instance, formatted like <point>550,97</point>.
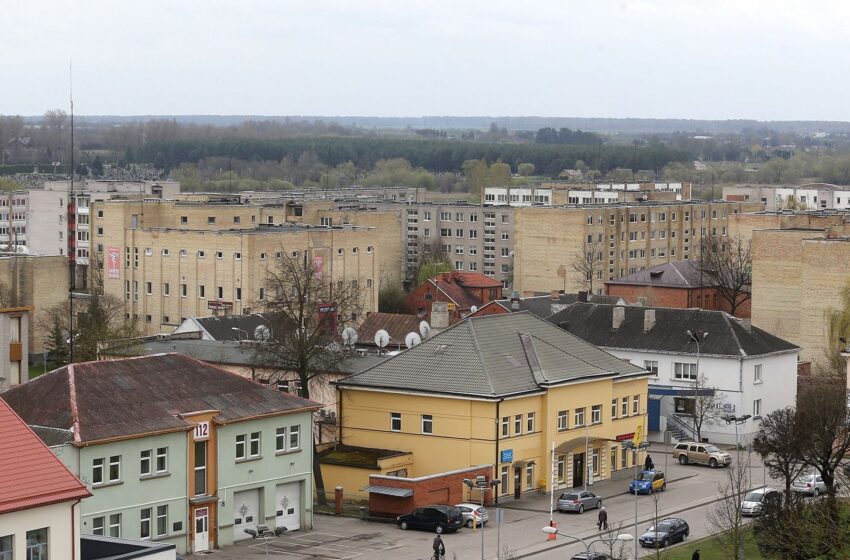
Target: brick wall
<point>678,298</point>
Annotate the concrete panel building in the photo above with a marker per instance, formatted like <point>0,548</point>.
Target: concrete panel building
<point>811,196</point>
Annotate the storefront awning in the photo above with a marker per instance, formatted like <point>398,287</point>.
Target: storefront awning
<point>389,491</point>
<point>667,390</point>
<point>578,444</point>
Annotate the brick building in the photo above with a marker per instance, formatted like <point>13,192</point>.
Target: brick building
<point>464,292</point>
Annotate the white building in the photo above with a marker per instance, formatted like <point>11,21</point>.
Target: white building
<point>750,371</point>
<point>517,196</point>
<point>812,196</point>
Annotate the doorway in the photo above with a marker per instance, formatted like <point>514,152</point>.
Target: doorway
<point>202,530</point>
<point>578,470</point>
<point>517,482</point>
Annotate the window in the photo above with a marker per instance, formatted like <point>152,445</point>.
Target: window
<point>202,291</point>
<point>262,294</point>
<point>238,294</point>
<point>202,254</point>
<point>530,423</point>
<point>613,457</point>
<point>254,445</point>
<point>757,374</point>
<point>294,438</point>
<point>624,407</point>
<point>115,468</point>
<point>473,234</point>
<point>651,366</point>
<point>458,265</point>
<point>395,421</point>
<point>458,233</point>
<point>427,232</point>
<point>326,221</point>
<point>166,289</point>
<point>145,462</point>
<point>506,423</point>
<point>115,525</point>
<point>37,544</point>
<point>184,219</point>
<point>596,414</point>
<point>280,440</point>
<point>145,524</point>
<point>210,219</point>
<point>579,417</point>
<point>529,477</point>
<point>200,468</point>
<point>219,292</point>
<point>562,419</point>
<point>166,252</point>
<point>219,255</point>
<point>427,424</point>
<point>518,425</point>
<point>613,409</point>
<point>636,405</point>
<point>184,289</point>
<point>98,526</point>
<point>757,407</point>
<point>161,459</point>
<point>624,459</point>
<point>161,521</point>
<point>685,371</point>
<point>504,480</point>
<point>240,447</point>
<point>594,461</point>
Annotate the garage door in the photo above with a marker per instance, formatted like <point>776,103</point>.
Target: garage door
<point>288,506</point>
<point>246,510</point>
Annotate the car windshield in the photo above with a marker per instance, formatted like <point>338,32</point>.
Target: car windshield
<point>712,449</point>
<point>663,527</point>
<point>754,497</point>
<point>570,497</point>
<point>645,476</point>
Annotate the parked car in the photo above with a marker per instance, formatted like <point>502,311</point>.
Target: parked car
<point>753,502</point>
<point>811,484</point>
<point>593,556</point>
<point>705,453</point>
<point>665,532</point>
<point>648,482</point>
<point>578,501</point>
<point>442,519</point>
<point>473,514</point>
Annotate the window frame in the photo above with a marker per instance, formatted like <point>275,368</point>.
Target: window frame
<point>280,439</point>
<point>294,437</point>
<point>562,420</point>
<point>395,421</point>
<point>241,441</point>
<point>427,420</point>
<point>579,413</point>
<point>162,515</point>
<point>145,462</point>
<point>114,461</point>
<point>145,516</point>
<point>255,439</point>
<point>161,454</point>
<point>595,414</point>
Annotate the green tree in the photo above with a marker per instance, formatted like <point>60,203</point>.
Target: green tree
<point>391,300</point>
<point>499,175</point>
<point>9,185</point>
<point>525,169</point>
<point>475,173</point>
<point>56,345</point>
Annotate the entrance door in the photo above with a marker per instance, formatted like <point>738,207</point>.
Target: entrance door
<point>578,470</point>
<point>202,530</point>
<point>246,506</point>
<point>517,482</point>
<point>288,506</point>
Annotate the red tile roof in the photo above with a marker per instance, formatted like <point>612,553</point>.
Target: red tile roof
<point>469,279</point>
<point>458,294</point>
<point>30,474</point>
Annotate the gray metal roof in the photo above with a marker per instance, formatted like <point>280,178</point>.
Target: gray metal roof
<point>389,491</point>
<point>492,356</point>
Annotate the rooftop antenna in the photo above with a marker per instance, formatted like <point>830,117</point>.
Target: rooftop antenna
<point>70,198</point>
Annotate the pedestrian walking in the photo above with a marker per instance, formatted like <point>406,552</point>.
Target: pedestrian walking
<point>695,555</point>
<point>439,548</point>
<point>602,520</point>
<point>648,465</point>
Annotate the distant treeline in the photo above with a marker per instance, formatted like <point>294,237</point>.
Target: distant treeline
<point>433,155</point>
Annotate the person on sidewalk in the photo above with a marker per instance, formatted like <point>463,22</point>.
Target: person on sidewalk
<point>648,465</point>
<point>695,555</point>
<point>602,522</point>
<point>439,548</point>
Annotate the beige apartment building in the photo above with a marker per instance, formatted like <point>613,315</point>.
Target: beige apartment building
<point>623,238</point>
<point>169,260</point>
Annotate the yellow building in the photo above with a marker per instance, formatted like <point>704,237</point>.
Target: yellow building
<point>169,260</point>
<point>498,390</point>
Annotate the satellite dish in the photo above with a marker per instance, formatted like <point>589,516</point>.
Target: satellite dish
<point>424,329</point>
<point>382,338</point>
<point>349,336</point>
<point>262,332</point>
<point>473,309</point>
<point>412,339</point>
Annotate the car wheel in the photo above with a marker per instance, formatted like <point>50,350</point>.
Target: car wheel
<point>469,523</point>
<point>581,508</point>
<point>598,504</point>
<point>664,543</point>
<point>439,529</point>
<point>664,486</point>
<point>404,525</point>
<point>712,463</point>
<point>815,493</point>
<point>683,460</point>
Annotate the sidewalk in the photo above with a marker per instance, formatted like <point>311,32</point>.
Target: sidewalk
<point>606,489</point>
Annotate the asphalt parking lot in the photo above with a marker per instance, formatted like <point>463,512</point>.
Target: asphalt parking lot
<point>319,544</point>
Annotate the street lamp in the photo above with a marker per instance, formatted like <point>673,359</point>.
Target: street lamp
<point>732,419</point>
<point>240,330</point>
<point>630,445</point>
<point>623,537</point>
<point>482,484</point>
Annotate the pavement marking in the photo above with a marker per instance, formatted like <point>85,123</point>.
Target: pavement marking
<point>331,548</point>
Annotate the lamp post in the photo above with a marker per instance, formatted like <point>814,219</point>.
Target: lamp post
<point>240,330</point>
<point>482,484</point>
<point>623,537</point>
<point>732,419</point>
<point>630,445</point>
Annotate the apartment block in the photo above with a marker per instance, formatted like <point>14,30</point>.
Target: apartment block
<point>561,193</point>
<point>169,260</point>
<point>835,221</point>
<point>621,239</point>
<point>812,196</point>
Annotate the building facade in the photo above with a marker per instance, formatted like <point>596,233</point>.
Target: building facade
<point>812,196</point>
<point>166,459</point>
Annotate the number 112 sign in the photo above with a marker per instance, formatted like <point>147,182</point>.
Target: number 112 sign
<point>202,431</point>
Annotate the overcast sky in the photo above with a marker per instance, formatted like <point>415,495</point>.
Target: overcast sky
<point>772,60</point>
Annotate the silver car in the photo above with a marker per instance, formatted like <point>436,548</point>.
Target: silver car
<point>473,514</point>
<point>753,502</point>
<point>811,484</point>
<point>578,501</point>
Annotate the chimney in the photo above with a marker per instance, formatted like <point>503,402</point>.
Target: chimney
<point>648,319</point>
<point>555,295</point>
<point>439,315</point>
<point>619,317</point>
<point>582,296</point>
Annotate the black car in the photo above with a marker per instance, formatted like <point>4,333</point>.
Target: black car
<point>442,519</point>
<point>665,532</point>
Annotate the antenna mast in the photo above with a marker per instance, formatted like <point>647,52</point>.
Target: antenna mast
<point>71,260</point>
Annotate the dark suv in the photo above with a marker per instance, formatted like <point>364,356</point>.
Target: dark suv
<point>432,518</point>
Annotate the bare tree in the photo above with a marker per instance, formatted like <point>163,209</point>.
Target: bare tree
<point>707,404</point>
<point>823,417</point>
<point>586,263</point>
<point>725,516</point>
<point>726,265</point>
<point>780,442</point>
<point>838,331</point>
<point>614,548</point>
<point>307,313</point>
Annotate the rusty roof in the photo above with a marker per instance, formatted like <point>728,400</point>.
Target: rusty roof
<point>135,396</point>
<point>397,324</point>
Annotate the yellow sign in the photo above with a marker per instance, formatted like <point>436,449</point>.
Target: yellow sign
<point>638,435</point>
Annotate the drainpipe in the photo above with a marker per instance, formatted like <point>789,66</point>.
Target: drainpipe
<point>496,471</point>
<point>73,530</point>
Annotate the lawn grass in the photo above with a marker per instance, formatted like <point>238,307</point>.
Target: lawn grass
<point>710,548</point>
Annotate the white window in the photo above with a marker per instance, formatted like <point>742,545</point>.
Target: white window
<point>651,366</point>
<point>506,426</point>
<point>161,459</point>
<point>280,440</point>
<point>562,419</point>
<point>145,524</point>
<point>504,479</point>
<point>161,521</point>
<point>294,437</point>
<point>684,371</point>
<point>241,451</point>
<point>624,407</point>
<point>529,477</point>
<point>596,414</point>
<point>98,526</point>
<point>395,421</point>
<point>114,468</point>
<point>326,221</point>
<point>579,417</point>
<point>254,445</point>
<point>757,374</point>
<point>115,525</point>
<point>145,462</point>
<point>613,409</point>
<point>636,405</point>
<point>427,424</point>
<point>518,425</point>
<point>530,423</point>
<point>757,407</point>
<point>37,544</point>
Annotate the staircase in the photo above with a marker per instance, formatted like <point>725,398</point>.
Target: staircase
<point>679,429</point>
